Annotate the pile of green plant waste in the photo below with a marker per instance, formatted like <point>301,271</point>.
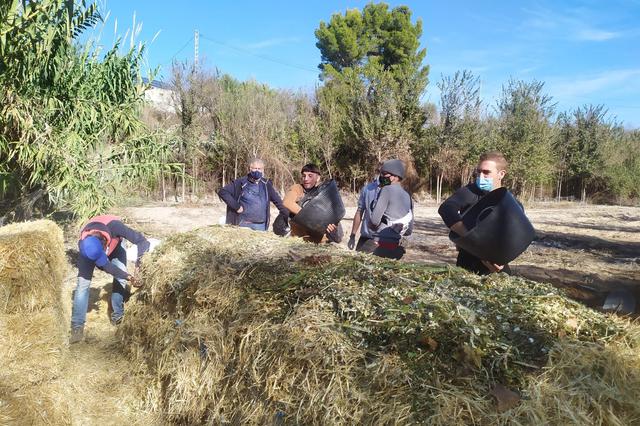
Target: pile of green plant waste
<point>245,327</point>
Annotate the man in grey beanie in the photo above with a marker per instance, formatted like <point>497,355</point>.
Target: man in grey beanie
<point>392,215</point>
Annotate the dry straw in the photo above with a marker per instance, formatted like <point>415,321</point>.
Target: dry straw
<point>243,327</point>
<point>32,330</point>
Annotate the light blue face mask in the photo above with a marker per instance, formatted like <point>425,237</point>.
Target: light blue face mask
<point>484,184</point>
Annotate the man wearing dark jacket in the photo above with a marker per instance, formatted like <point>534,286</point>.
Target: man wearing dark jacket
<point>248,198</point>
<point>100,245</point>
<point>490,171</point>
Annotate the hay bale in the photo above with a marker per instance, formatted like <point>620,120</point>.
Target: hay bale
<point>32,266</point>
<point>248,328</point>
<point>32,323</point>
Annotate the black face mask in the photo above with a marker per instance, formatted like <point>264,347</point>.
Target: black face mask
<point>384,181</point>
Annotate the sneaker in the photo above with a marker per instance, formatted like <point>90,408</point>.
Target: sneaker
<point>116,321</point>
<point>77,334</point>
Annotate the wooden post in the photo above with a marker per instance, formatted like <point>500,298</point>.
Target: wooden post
<point>164,188</point>
<point>183,180</point>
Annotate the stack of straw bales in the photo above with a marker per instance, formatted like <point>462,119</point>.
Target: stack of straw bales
<point>247,328</point>
<point>32,323</point>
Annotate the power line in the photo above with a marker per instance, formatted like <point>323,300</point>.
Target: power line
<point>181,49</point>
<point>248,52</point>
<point>170,61</point>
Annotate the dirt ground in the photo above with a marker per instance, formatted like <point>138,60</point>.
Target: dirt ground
<point>577,247</point>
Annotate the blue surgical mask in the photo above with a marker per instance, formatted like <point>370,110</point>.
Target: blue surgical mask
<point>484,184</point>
<point>255,174</point>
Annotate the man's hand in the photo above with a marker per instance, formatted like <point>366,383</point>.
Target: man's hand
<point>352,242</point>
<point>134,281</point>
<point>331,228</point>
<point>459,228</point>
<point>240,210</point>
<point>492,266</point>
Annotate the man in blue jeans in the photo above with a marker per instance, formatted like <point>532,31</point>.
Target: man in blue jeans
<point>248,199</point>
<point>100,245</point>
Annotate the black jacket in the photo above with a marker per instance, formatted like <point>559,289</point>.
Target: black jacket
<point>453,207</point>
<point>451,212</point>
<point>232,192</point>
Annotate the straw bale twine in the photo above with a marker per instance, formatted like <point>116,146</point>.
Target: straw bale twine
<point>246,328</point>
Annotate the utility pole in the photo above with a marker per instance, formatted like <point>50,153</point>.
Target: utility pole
<point>196,36</point>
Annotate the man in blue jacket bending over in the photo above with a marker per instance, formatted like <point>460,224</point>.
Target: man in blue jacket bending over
<point>247,199</point>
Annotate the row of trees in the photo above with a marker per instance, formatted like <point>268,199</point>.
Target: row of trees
<point>73,132</point>
<point>367,108</point>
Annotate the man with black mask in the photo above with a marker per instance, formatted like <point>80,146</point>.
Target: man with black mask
<point>247,199</point>
<point>392,215</point>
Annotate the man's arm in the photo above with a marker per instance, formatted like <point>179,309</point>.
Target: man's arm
<point>119,229</point>
<point>226,194</point>
<point>357,217</point>
<point>357,220</point>
<point>380,208</point>
<point>274,197</point>
<point>112,269</point>
<point>291,198</point>
<point>450,209</point>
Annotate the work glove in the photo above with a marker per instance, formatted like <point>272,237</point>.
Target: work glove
<point>352,242</point>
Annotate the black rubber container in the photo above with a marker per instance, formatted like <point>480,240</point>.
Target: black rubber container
<point>324,208</point>
<point>621,302</point>
<point>281,225</point>
<point>499,231</point>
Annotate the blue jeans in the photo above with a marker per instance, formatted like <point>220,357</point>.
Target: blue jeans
<point>119,292</point>
<point>254,226</point>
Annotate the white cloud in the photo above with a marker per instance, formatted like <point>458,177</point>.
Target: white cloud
<point>528,70</point>
<point>589,34</point>
<point>622,80</point>
<point>270,43</point>
<point>569,24</point>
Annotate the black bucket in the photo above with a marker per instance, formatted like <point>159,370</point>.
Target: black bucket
<point>281,225</point>
<point>498,230</point>
<point>324,208</point>
<point>621,302</point>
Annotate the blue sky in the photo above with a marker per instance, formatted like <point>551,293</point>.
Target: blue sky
<point>586,52</point>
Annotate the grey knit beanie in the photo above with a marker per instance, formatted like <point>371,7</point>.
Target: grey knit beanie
<point>394,167</point>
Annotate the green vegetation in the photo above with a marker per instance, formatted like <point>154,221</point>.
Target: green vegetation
<point>368,108</point>
<point>70,128</point>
